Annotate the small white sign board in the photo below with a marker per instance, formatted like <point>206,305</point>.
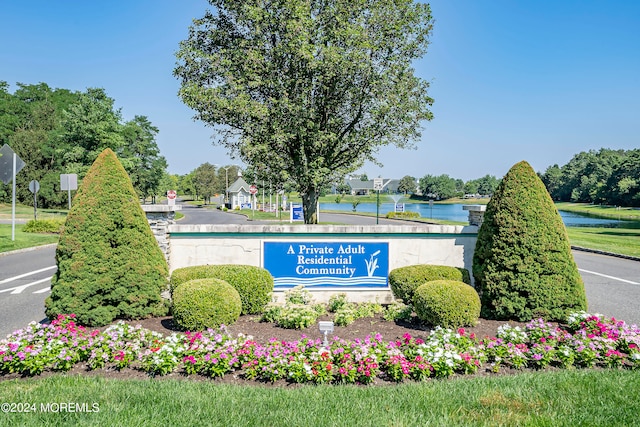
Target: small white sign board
<point>377,184</point>
<point>68,181</point>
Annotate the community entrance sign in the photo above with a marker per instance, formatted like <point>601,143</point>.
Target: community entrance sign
<point>327,265</point>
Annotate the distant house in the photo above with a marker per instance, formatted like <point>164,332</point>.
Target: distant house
<point>359,187</point>
<point>239,194</point>
<point>363,188</point>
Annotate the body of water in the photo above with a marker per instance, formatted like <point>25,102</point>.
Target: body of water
<point>454,212</point>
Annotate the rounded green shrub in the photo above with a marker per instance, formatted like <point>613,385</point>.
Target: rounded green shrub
<point>44,226</point>
<point>109,263</point>
<point>403,215</point>
<point>405,280</point>
<point>522,264</point>
<point>447,303</point>
<point>205,303</point>
<point>254,284</point>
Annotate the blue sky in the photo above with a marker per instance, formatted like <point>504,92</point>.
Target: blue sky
<point>512,80</point>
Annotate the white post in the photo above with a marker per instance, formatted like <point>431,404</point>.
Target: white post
<point>13,201</point>
<point>69,189</point>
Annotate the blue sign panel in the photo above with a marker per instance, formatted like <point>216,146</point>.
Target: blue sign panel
<point>327,264</point>
<point>297,213</point>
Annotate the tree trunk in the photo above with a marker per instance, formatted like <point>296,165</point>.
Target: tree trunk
<point>309,204</point>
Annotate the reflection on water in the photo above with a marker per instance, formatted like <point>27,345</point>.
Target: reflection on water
<point>454,212</point>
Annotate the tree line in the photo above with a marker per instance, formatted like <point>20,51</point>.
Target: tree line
<point>610,177</point>
<point>58,131</point>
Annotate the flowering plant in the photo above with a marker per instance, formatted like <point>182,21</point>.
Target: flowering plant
<point>588,341</point>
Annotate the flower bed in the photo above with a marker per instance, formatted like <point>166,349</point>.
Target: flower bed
<point>586,342</point>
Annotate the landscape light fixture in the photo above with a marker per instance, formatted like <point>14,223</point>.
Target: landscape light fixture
<point>326,328</point>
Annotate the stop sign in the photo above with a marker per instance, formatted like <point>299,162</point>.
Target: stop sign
<point>171,194</point>
<point>253,189</point>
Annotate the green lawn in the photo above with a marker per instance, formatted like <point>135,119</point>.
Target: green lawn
<point>22,239</point>
<point>560,398</point>
<point>620,240</point>
<point>598,211</point>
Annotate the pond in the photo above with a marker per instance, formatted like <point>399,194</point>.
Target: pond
<point>454,212</point>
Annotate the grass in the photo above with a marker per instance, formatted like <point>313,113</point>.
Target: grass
<point>560,398</point>
<point>623,240</point>
<point>22,240</point>
<point>24,212</point>
<point>599,211</point>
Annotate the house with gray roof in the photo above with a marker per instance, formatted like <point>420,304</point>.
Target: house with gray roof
<point>239,195</point>
<point>363,188</point>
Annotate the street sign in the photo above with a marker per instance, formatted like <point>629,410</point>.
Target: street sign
<point>34,186</point>
<point>10,165</point>
<point>171,197</point>
<point>253,189</point>
<point>377,184</point>
<point>6,164</point>
<point>296,213</point>
<point>68,181</point>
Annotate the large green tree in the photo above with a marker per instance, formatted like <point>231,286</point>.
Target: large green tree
<point>57,131</point>
<point>441,186</point>
<point>147,166</point>
<point>204,179</point>
<point>308,88</point>
<point>407,184</point>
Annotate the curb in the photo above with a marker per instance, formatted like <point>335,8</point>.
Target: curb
<point>612,254</point>
<point>33,248</point>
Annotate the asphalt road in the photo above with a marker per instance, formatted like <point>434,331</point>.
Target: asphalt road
<point>612,284</point>
<point>199,215</point>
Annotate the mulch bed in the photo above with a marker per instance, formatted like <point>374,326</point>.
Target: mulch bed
<point>262,332</point>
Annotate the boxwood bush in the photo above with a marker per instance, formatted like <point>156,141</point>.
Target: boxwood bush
<point>44,226</point>
<point>403,215</point>
<point>109,263</point>
<point>522,264</point>
<point>405,280</point>
<point>254,284</point>
<point>205,303</point>
<point>447,303</point>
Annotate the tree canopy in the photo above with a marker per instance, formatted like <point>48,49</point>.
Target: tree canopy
<point>58,131</point>
<point>605,176</point>
<point>308,89</point>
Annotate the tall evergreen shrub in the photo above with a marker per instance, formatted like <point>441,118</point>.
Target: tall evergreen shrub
<point>522,265</point>
<point>109,263</point>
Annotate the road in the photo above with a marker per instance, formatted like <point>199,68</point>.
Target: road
<point>612,284</point>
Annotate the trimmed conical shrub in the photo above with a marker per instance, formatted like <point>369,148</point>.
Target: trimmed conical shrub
<point>522,265</point>
<point>109,263</point>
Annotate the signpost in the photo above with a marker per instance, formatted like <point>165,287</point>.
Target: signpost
<point>377,185</point>
<point>171,197</point>
<point>10,165</point>
<point>68,181</point>
<point>296,213</point>
<point>253,190</point>
<point>34,186</point>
